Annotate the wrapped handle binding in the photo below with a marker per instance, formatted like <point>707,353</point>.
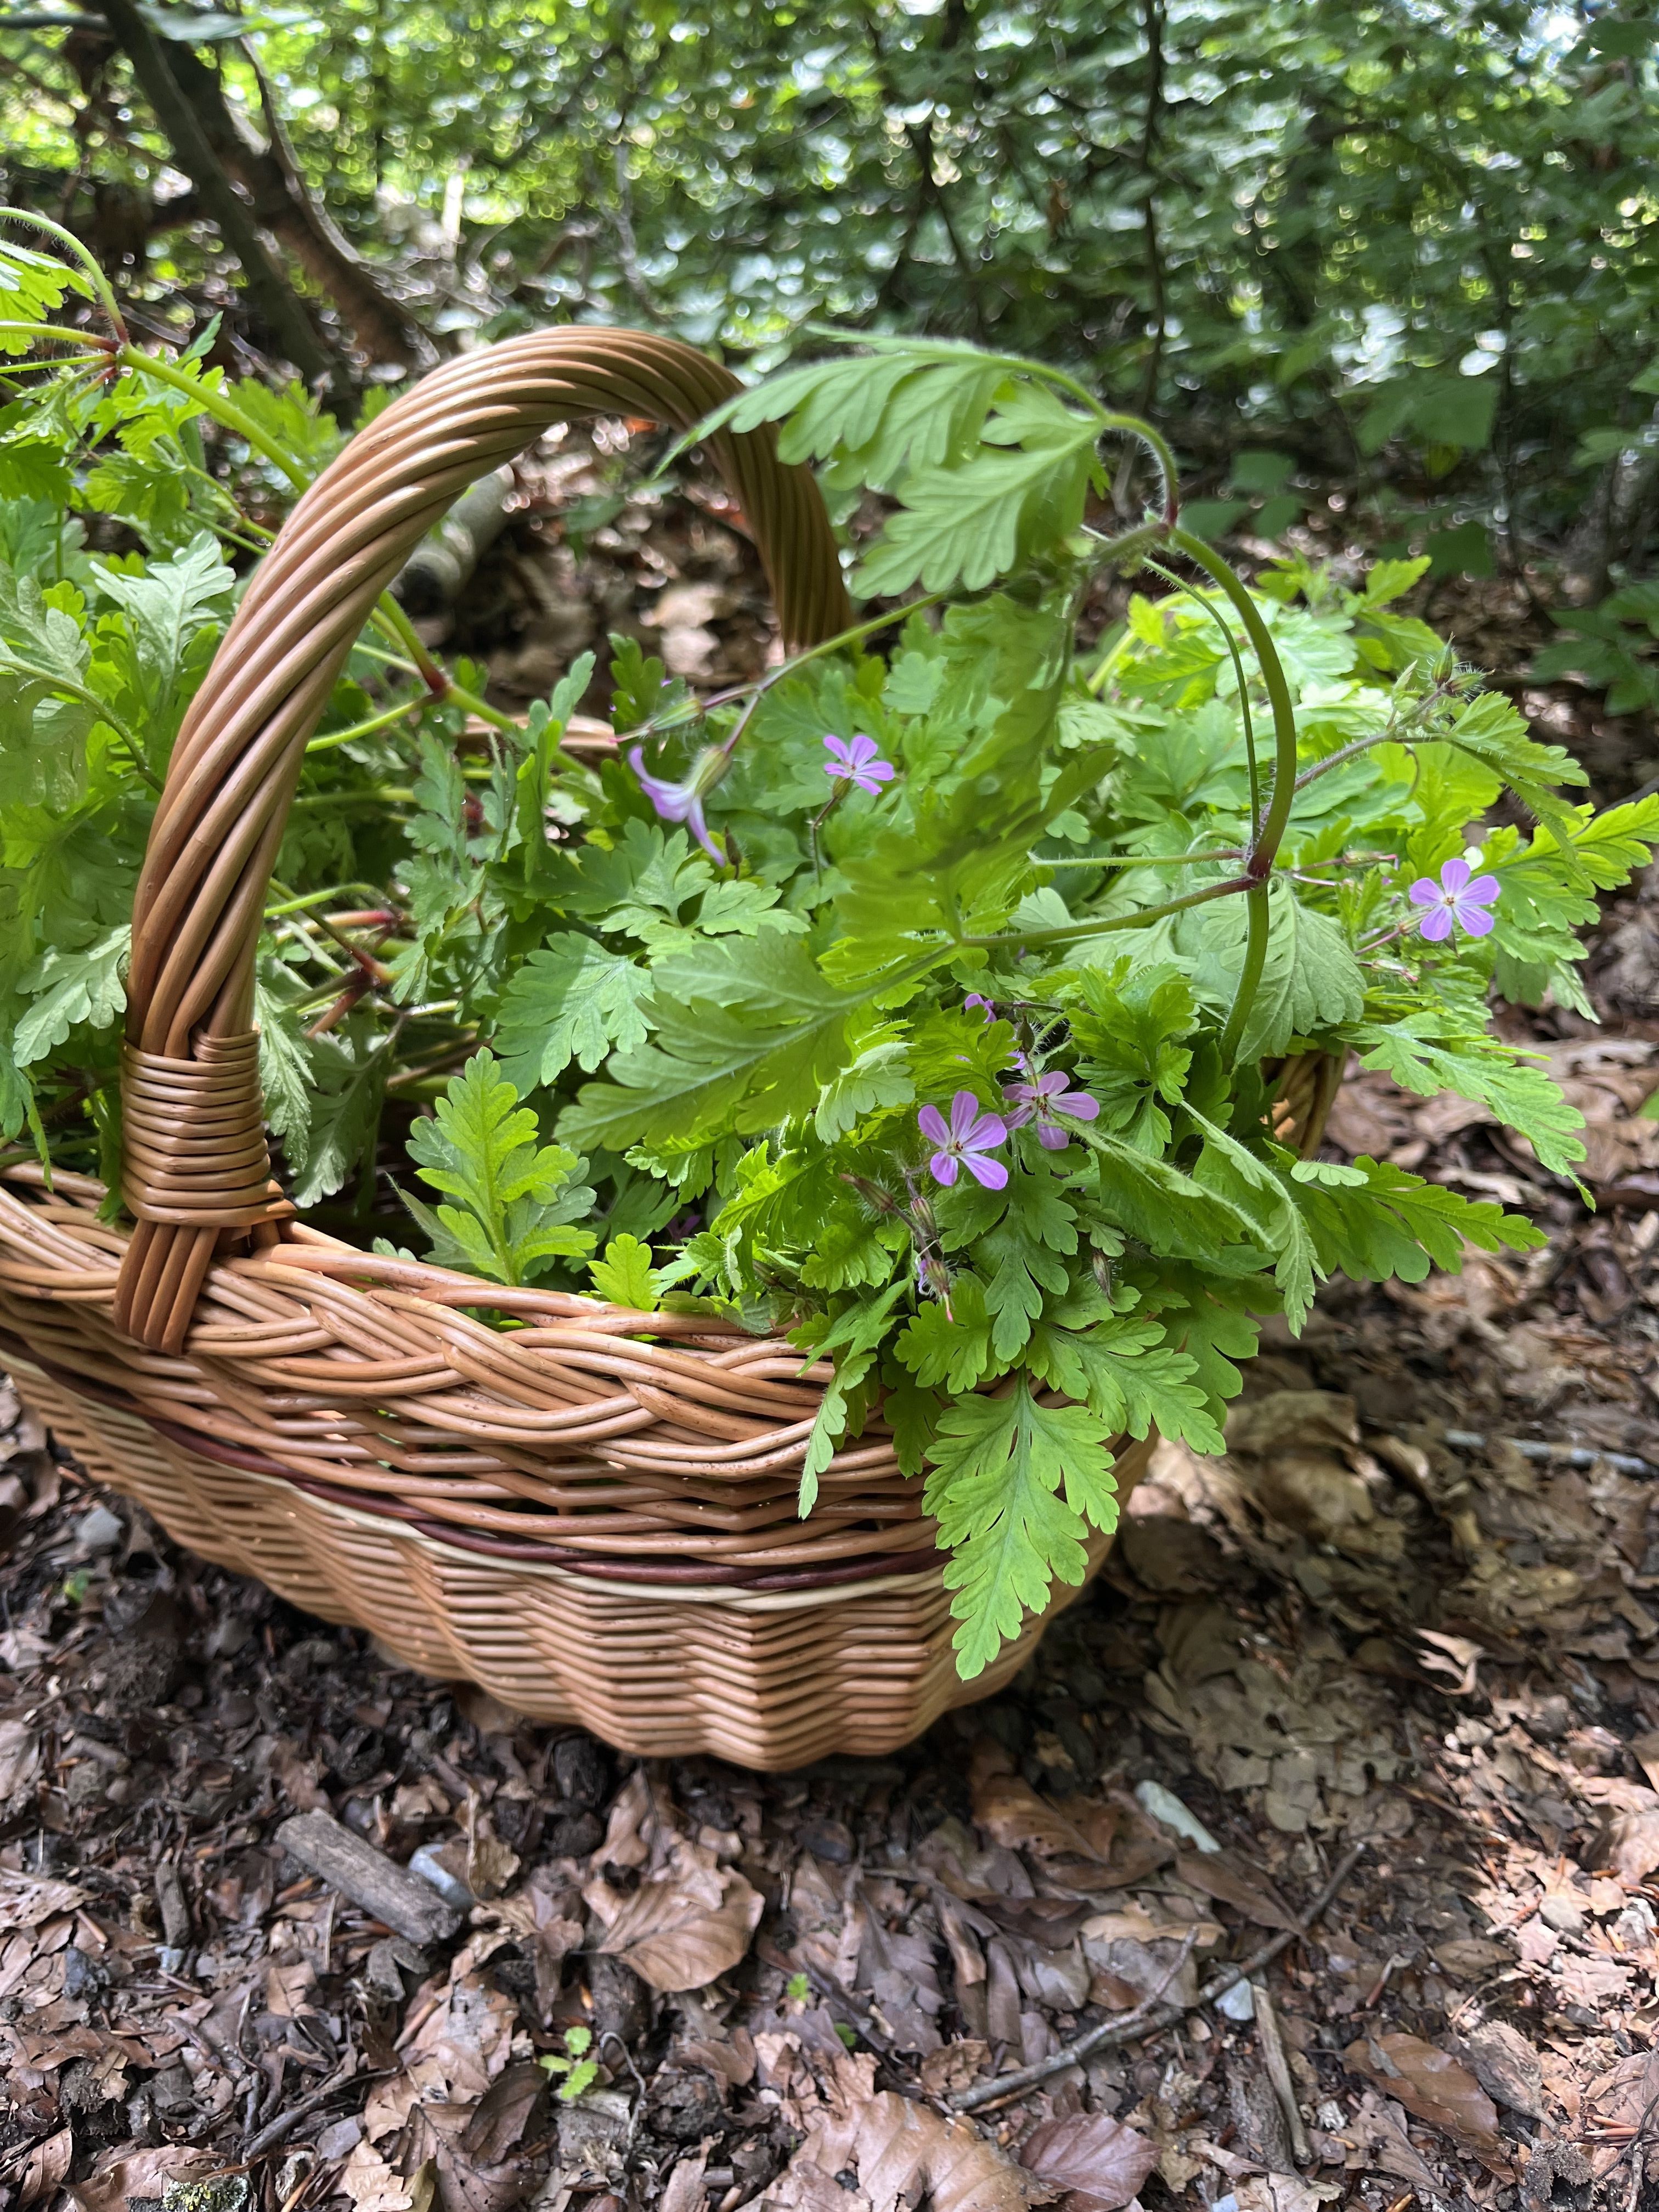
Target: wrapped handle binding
<point>196,1162</point>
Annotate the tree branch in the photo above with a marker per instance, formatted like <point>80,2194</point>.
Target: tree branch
<point>271,293</point>
<point>282,204</point>
<point>1149,2017</point>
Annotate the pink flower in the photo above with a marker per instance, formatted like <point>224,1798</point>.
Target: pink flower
<point>969,1137</point>
<point>1045,1098</point>
<point>856,762</point>
<point>682,802</point>
<point>1454,902</point>
<point>973,999</point>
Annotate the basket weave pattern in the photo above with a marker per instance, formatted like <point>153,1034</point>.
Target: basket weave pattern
<point>594,1528</point>
<point>593,1514</point>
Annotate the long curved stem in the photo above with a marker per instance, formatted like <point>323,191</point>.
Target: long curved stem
<point>223,410</point>
<point>1268,838</point>
<point>330,739</point>
<point>1258,918</point>
<point>1199,600</point>
<point>72,245</point>
<point>1265,845</point>
<point>1078,932</point>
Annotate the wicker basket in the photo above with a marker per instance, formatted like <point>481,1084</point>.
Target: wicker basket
<point>594,1515</point>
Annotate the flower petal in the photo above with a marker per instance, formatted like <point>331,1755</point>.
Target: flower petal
<point>1424,892</point>
<point>1437,924</point>
<point>965,1112</point>
<point>1052,1137</point>
<point>1474,920</point>
<point>699,828</point>
<point>1454,875</point>
<point>1485,888</point>
<point>1081,1105</point>
<point>862,749</point>
<point>987,1134</point>
<point>990,1173</point>
<point>931,1122</point>
<point>671,800</point>
<point>943,1168</point>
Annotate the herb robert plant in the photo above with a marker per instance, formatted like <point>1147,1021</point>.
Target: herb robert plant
<point>926,999</point>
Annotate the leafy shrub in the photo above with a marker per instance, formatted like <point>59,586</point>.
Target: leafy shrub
<point>931,1004</point>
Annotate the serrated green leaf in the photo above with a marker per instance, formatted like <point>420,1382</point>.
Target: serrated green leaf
<point>1420,1057</point>
<point>950,1350</point>
<point>573,999</point>
<point>1015,1486</point>
<point>744,1033</point>
<point>1376,1222</point>
<point>517,1201</point>
<point>285,1073</point>
<point>626,1275</point>
<point>1124,1369</point>
<point>66,990</point>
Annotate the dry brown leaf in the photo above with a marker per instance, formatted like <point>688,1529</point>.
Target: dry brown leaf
<point>509,2109</point>
<point>1623,2103</point>
<point>1505,2065</point>
<point>1218,1875</point>
<point>1454,1659</point>
<point>1284,2193</point>
<point>140,2174</point>
<point>1467,1957</point>
<point>1012,1814</point>
<point>898,2154</point>
<point>688,1923</point>
<point>1379,2129</point>
<point>685,2191</point>
<point>1285,1418</point>
<point>20,1761</point>
<point>48,2162</point>
<point>26,1902</point>
<point>955,2066</point>
<point>1431,2084</point>
<point>627,1839</point>
<point>370,2183</point>
<point>1644,1750</point>
<point>466,2182</point>
<point>1097,2162</point>
<point>730,2060</point>
<point>465,2040</point>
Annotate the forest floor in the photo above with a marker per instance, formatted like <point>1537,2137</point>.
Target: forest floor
<point>1415,1610</point>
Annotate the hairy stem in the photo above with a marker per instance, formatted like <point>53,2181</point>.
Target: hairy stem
<point>1279,696</point>
<point>1078,932</point>
<point>1257,916</point>
<point>87,264</point>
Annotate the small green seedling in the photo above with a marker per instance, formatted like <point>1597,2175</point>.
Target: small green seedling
<point>580,2072</point>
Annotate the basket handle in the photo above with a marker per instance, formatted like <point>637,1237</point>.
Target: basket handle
<point>196,1162</point>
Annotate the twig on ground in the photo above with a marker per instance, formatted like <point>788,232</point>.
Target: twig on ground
<point>1149,2017</point>
<point>286,2123</point>
<point>1279,2072</point>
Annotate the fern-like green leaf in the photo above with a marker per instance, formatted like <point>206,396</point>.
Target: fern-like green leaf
<point>1015,1486</point>
<point>517,1200</point>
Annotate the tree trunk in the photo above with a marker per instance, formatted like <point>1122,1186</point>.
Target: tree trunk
<point>380,325</point>
<point>273,296</point>
<point>219,152</point>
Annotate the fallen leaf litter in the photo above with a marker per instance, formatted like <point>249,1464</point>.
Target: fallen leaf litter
<point>1411,1614</point>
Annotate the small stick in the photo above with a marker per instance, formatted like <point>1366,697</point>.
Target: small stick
<point>1279,2072</point>
<point>289,2123</point>
<point>1149,2017</point>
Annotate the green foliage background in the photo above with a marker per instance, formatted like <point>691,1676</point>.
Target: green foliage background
<point>1408,246</point>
